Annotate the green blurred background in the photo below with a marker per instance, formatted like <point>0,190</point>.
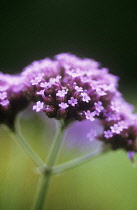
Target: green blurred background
<point>103,30</point>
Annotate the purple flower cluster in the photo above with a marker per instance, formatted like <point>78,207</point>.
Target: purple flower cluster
<point>71,88</point>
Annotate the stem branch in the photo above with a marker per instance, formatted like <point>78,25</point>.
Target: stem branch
<point>20,140</point>
<point>76,162</point>
<point>45,177</point>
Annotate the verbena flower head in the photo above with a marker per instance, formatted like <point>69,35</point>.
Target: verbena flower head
<point>72,88</point>
<point>69,88</point>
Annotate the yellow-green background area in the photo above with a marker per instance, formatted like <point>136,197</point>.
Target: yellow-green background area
<point>108,182</point>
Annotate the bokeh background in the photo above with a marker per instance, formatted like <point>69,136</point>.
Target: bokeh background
<point>103,30</point>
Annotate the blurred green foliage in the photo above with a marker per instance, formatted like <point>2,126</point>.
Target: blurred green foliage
<point>108,182</point>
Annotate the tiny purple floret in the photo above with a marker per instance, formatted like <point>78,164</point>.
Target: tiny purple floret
<point>61,93</point>
<point>4,103</point>
<point>3,95</point>
<point>108,134</point>
<point>41,92</point>
<point>85,97</point>
<point>44,84</point>
<point>90,115</point>
<point>98,107</point>
<point>38,79</point>
<point>63,105</point>
<point>39,106</point>
<point>115,128</point>
<point>115,106</point>
<point>72,101</point>
<point>78,89</point>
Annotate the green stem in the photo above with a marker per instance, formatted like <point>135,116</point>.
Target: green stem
<point>76,162</point>
<point>48,170</point>
<point>41,191</point>
<point>20,139</point>
<point>45,177</point>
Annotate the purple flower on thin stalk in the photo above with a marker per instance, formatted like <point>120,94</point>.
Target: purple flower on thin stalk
<point>72,88</point>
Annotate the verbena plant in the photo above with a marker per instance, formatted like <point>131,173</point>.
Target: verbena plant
<point>68,89</point>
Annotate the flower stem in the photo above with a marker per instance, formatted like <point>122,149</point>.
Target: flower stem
<point>45,177</point>
<point>76,162</point>
<point>20,140</point>
<point>41,191</point>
